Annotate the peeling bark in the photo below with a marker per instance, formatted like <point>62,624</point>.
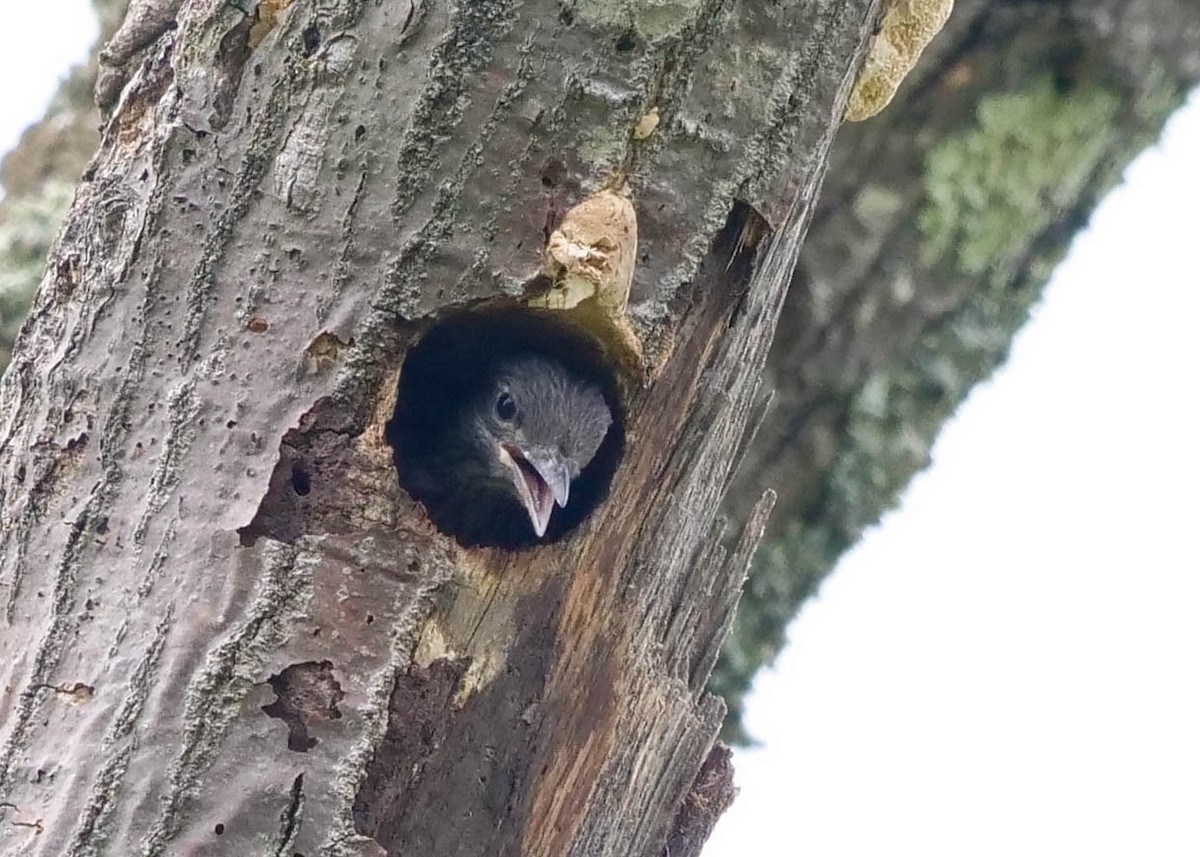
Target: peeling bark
<point>202,521</point>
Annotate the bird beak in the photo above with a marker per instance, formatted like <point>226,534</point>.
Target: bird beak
<point>542,479</point>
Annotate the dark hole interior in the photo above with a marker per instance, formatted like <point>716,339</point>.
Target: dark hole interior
<point>455,362</point>
<point>301,481</point>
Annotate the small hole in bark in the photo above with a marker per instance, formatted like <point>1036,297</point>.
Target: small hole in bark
<point>370,618</point>
<point>488,474</point>
<point>219,829</point>
<point>566,15</point>
<point>312,39</point>
<point>360,132</point>
<point>551,172</point>
<point>305,693</point>
<point>626,43</point>
<point>301,481</point>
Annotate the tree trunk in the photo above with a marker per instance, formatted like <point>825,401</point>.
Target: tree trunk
<point>859,396</point>
<point>226,628</point>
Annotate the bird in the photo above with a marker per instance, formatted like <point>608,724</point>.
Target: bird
<point>491,453</point>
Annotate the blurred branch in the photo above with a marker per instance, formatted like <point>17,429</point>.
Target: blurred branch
<point>37,178</point>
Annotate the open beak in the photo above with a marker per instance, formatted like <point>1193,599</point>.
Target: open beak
<point>542,480</point>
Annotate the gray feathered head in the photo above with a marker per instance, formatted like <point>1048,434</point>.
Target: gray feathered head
<point>541,425</point>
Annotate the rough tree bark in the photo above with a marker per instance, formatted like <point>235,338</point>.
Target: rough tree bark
<point>282,204</point>
<point>859,396</point>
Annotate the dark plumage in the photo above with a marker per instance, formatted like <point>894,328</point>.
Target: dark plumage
<point>494,454</point>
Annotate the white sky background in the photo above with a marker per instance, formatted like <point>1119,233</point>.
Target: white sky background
<point>1008,664</point>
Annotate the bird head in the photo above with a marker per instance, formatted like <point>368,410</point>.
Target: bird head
<point>538,426</point>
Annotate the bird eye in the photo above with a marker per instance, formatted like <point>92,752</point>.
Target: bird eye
<point>506,406</point>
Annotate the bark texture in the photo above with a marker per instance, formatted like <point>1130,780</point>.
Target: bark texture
<point>224,628</point>
<point>859,397</point>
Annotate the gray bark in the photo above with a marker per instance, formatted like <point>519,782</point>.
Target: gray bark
<point>276,212</point>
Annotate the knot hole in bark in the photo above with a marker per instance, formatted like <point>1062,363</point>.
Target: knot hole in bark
<point>319,480</point>
<point>304,693</point>
<point>477,457</point>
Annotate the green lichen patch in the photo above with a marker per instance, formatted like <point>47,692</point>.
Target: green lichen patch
<point>750,73</point>
<point>993,187</point>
